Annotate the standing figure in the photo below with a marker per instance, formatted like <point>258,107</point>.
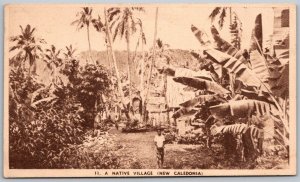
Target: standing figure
<point>159,140</point>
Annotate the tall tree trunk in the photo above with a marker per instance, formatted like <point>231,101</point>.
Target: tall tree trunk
<point>29,69</point>
<point>89,42</point>
<point>129,68</point>
<point>142,71</point>
<point>142,80</point>
<point>110,47</point>
<point>108,56</point>
<point>165,94</point>
<point>152,62</point>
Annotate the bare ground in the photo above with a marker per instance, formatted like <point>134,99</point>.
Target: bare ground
<point>138,151</point>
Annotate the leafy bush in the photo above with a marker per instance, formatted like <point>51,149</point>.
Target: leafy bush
<point>88,84</point>
<point>37,141</point>
<point>96,152</point>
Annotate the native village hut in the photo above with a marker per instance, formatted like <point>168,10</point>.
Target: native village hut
<point>161,109</point>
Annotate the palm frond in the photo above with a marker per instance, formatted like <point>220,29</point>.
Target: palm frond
<point>112,13</point>
<point>117,29</point>
<point>13,48</point>
<point>22,30</point>
<point>114,22</point>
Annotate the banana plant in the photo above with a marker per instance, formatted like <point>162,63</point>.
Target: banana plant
<point>263,76</point>
<point>248,138</point>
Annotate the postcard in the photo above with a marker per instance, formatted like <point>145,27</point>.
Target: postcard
<point>141,90</point>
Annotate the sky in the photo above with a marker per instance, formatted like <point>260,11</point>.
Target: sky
<point>53,23</point>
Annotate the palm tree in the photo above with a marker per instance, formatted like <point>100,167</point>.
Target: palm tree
<point>162,53</point>
<point>70,52</point>
<point>124,24</point>
<point>152,63</point>
<point>140,42</point>
<point>100,27</point>
<point>84,20</point>
<point>29,47</point>
<point>110,47</point>
<point>53,61</point>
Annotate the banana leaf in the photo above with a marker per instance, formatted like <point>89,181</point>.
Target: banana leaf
<point>259,66</point>
<point>201,36</point>
<point>242,72</point>
<point>240,109</point>
<point>188,107</point>
<point>185,111</point>
<point>257,36</point>
<point>202,84</point>
<point>231,129</point>
<point>252,94</point>
<point>279,77</point>
<point>225,47</point>
<point>198,100</point>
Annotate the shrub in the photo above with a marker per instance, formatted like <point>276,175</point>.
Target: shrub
<point>37,141</point>
<point>88,85</point>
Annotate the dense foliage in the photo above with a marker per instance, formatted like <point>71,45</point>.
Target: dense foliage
<point>46,120</point>
<point>89,84</point>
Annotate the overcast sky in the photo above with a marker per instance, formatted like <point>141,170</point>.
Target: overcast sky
<point>53,23</point>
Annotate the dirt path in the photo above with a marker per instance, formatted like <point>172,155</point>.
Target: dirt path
<point>138,150</point>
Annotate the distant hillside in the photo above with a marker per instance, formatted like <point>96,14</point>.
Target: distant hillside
<point>179,57</point>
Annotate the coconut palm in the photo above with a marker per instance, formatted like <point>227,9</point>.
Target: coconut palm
<point>123,22</point>
<point>152,63</point>
<point>84,20</point>
<point>161,50</point>
<point>100,27</point>
<point>53,61</point>
<point>29,48</point>
<point>137,61</point>
<point>110,47</point>
<point>141,39</point>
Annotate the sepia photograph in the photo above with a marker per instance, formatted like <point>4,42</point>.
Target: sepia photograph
<point>139,90</point>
